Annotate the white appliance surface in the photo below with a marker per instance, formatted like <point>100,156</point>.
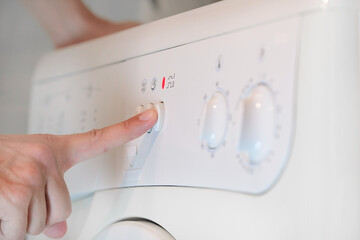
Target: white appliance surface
<point>260,131</point>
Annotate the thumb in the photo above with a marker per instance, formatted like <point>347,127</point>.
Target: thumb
<point>56,231</point>
<point>82,146</point>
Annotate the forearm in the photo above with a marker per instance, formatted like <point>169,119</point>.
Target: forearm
<point>64,21</point>
<point>69,22</point>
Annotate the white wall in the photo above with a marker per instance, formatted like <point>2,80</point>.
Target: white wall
<point>22,42</point>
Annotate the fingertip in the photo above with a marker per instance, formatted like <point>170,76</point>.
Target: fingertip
<point>148,115</point>
<point>56,231</point>
<point>147,120</point>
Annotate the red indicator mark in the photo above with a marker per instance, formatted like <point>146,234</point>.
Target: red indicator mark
<point>163,83</point>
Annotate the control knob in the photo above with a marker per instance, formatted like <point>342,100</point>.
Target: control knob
<point>257,124</point>
<point>215,121</point>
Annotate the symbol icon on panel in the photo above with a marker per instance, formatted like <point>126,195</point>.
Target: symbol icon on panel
<point>153,84</point>
<point>143,86</point>
<point>219,63</point>
<point>90,89</point>
<point>169,82</point>
<point>262,54</point>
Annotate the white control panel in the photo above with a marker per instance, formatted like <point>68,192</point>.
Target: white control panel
<point>225,103</point>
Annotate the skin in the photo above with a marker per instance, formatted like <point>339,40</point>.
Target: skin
<point>33,195</point>
<point>69,22</point>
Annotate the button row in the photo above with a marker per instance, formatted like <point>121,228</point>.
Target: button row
<point>160,109</point>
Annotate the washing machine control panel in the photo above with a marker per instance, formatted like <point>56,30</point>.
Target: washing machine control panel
<point>226,111</point>
<point>215,120</point>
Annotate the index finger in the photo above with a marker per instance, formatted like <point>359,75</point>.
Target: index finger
<point>90,144</point>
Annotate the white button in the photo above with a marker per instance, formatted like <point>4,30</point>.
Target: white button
<point>258,123</point>
<point>215,120</point>
<point>149,106</point>
<point>139,109</point>
<point>160,108</point>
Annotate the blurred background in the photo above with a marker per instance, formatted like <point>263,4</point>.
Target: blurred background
<point>22,42</point>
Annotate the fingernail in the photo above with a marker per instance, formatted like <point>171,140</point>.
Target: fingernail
<point>147,115</point>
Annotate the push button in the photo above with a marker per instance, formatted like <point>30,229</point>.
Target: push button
<point>149,106</point>
<point>139,109</point>
<point>160,109</point>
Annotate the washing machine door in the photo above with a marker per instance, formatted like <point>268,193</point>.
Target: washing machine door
<point>134,230</point>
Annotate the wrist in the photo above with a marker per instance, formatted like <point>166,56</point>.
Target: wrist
<point>69,22</point>
<point>65,21</point>
<point>78,24</point>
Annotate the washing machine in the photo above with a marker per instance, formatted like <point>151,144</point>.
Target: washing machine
<point>259,104</point>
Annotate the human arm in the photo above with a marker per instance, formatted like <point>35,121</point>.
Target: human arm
<point>33,194</point>
<point>69,21</point>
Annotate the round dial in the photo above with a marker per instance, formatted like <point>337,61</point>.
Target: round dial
<point>215,120</point>
<point>258,123</point>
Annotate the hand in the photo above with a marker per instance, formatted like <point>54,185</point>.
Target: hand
<point>33,194</point>
<point>69,22</point>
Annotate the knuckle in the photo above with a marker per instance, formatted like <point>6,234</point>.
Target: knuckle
<point>60,215</point>
<point>129,131</point>
<point>34,174</point>
<point>63,208</point>
<point>95,134</point>
<point>126,124</point>
<point>29,174</point>
<point>23,179</point>
<point>41,151</point>
<point>36,225</point>
<point>19,198</point>
<point>37,230</point>
<point>48,138</point>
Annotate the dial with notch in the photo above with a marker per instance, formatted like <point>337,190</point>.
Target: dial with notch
<point>257,124</point>
<point>215,121</point>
